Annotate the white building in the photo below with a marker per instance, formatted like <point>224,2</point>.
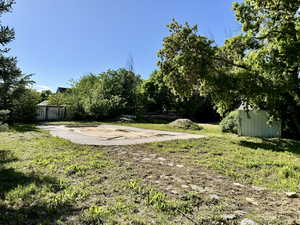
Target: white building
<point>46,112</point>
<point>254,123</point>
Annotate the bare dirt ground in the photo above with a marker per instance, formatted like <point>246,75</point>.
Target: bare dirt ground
<point>175,174</point>
<point>114,135</point>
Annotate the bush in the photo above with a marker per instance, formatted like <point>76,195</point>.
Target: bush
<point>3,117</point>
<point>25,108</point>
<point>4,114</point>
<point>4,127</point>
<point>230,123</point>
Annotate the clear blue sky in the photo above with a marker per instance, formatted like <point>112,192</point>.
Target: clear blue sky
<point>60,40</point>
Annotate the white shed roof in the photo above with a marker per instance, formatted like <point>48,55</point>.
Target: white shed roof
<point>44,103</point>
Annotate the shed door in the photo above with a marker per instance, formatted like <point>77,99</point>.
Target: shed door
<point>41,113</point>
<point>53,113</point>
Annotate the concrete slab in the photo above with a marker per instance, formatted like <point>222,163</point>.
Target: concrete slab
<point>108,135</point>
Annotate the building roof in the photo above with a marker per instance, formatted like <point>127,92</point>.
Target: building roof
<point>44,103</point>
<point>61,89</point>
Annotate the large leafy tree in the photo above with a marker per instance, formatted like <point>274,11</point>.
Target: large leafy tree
<point>260,66</point>
<point>25,107</point>
<point>57,99</point>
<point>158,96</point>
<point>108,94</point>
<point>12,81</point>
<point>45,94</point>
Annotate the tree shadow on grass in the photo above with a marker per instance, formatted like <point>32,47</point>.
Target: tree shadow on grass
<point>277,145</point>
<point>23,128</point>
<point>34,215</point>
<point>6,157</point>
<point>29,209</point>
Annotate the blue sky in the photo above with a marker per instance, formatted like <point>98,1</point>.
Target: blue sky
<point>60,40</point>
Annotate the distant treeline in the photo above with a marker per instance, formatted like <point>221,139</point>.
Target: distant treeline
<point>117,92</point>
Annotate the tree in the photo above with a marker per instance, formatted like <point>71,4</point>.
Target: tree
<point>272,34</point>
<point>185,58</point>
<point>45,94</point>
<point>260,66</point>
<point>25,107</point>
<point>3,117</point>
<point>12,81</point>
<point>160,98</point>
<point>108,94</point>
<point>122,83</point>
<point>158,95</point>
<point>57,99</point>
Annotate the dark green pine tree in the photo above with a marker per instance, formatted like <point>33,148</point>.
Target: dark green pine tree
<point>12,81</point>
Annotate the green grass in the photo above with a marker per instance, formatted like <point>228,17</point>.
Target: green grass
<point>48,180</point>
<point>272,163</point>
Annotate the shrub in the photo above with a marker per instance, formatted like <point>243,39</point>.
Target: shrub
<point>4,127</point>
<point>3,117</point>
<point>230,123</point>
<point>25,108</point>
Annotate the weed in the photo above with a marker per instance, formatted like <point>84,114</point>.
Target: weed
<point>76,169</point>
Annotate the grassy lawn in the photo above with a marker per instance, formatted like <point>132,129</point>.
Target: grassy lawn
<point>48,180</point>
<point>272,163</point>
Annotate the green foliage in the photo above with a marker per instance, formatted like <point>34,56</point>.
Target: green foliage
<point>4,115</point>
<point>25,107</point>
<point>57,99</point>
<point>95,215</point>
<point>12,81</point>
<point>230,123</point>
<point>158,95</point>
<point>185,58</point>
<point>259,66</point>
<point>45,95</point>
<point>105,95</point>
<point>76,169</point>
<point>4,127</point>
<point>159,200</point>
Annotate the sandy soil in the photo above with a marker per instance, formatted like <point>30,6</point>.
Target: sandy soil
<point>111,132</point>
<point>114,135</point>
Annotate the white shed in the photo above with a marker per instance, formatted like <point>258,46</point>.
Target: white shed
<point>47,112</point>
<point>254,123</point>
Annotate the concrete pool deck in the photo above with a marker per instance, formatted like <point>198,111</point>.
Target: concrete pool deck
<point>109,135</point>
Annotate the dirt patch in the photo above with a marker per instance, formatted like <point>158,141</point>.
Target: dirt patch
<point>110,132</point>
<point>114,135</point>
<point>173,175</point>
<point>185,124</point>
<point>81,125</point>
